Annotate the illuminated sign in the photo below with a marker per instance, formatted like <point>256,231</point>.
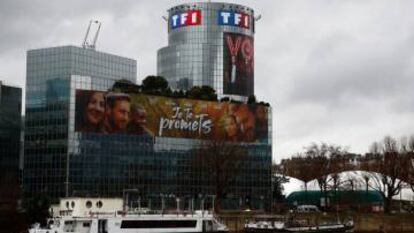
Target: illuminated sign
<point>186,18</point>
<point>233,18</point>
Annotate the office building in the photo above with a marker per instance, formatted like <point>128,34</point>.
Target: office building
<point>212,44</point>
<point>83,139</point>
<point>10,131</point>
<point>53,75</point>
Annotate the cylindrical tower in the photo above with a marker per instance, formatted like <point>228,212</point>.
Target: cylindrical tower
<point>211,44</point>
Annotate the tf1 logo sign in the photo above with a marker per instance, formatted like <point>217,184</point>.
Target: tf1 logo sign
<point>186,18</point>
<point>233,18</point>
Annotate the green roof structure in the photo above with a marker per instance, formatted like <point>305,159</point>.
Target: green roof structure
<point>340,197</point>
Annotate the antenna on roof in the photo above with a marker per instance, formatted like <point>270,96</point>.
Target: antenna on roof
<point>91,45</point>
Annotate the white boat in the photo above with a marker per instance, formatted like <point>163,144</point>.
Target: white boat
<point>278,226</point>
<point>86,215</point>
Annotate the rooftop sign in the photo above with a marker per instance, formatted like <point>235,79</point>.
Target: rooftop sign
<point>186,18</point>
<point>232,18</point>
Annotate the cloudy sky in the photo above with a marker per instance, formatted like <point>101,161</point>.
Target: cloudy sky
<point>338,71</point>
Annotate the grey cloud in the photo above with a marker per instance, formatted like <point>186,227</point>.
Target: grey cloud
<point>339,71</point>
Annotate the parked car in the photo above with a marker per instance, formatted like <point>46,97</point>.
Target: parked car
<point>307,209</point>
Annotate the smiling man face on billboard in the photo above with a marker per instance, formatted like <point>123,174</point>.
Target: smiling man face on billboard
<point>117,112</point>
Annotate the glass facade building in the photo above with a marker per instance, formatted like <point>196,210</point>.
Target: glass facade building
<point>10,131</point>
<point>196,54</point>
<point>60,160</point>
<point>50,165</point>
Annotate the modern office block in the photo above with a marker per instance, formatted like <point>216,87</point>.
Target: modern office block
<point>53,75</point>
<point>10,131</point>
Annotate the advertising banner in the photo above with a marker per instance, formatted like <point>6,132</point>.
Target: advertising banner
<point>238,64</point>
<point>139,114</point>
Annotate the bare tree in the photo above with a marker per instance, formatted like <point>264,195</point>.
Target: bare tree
<point>410,161</point>
<point>299,167</point>
<point>222,161</point>
<point>387,170</point>
<point>278,179</point>
<point>328,161</point>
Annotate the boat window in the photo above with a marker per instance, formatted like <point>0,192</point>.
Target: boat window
<point>88,204</point>
<point>86,224</point>
<point>99,204</point>
<point>73,204</point>
<point>67,205</point>
<point>102,226</point>
<point>207,225</point>
<point>158,224</point>
<point>68,227</point>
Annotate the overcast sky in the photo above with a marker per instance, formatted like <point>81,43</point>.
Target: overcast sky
<point>335,71</point>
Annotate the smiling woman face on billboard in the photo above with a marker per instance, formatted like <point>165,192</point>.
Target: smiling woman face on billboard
<point>90,111</point>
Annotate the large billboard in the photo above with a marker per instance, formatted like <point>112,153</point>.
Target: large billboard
<point>238,64</point>
<point>139,114</point>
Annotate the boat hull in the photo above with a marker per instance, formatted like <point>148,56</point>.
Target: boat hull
<point>313,229</point>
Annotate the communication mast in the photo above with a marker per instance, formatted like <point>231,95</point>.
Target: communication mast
<point>86,43</point>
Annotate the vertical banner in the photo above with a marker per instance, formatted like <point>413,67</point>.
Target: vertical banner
<point>238,64</point>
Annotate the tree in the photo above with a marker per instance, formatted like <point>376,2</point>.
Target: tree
<point>37,209</point>
<point>408,149</point>
<point>327,161</point>
<point>278,179</point>
<point>154,85</point>
<point>202,93</point>
<point>251,99</point>
<point>225,99</point>
<point>222,161</point>
<point>178,94</point>
<point>299,167</point>
<point>125,86</point>
<point>387,169</point>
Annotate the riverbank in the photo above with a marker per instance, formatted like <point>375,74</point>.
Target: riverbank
<point>364,223</point>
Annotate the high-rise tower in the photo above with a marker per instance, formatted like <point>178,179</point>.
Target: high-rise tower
<point>210,43</point>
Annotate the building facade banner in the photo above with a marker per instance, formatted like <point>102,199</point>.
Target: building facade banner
<point>238,64</point>
<point>139,114</point>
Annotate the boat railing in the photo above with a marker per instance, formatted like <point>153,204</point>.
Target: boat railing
<point>163,212</point>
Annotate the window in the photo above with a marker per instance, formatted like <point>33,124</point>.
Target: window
<point>99,204</point>
<point>86,224</point>
<point>158,224</point>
